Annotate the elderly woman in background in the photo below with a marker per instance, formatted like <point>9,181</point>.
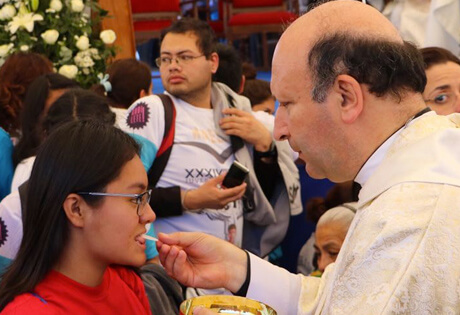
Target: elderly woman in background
<point>443,80</point>
<point>331,231</point>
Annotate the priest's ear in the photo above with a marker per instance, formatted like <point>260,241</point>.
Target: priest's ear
<point>350,97</point>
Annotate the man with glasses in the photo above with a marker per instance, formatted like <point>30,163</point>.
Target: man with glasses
<point>214,126</point>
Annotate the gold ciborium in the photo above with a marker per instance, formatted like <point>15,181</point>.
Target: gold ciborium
<point>226,304</point>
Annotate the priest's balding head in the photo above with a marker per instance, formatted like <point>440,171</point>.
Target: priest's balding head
<point>346,81</point>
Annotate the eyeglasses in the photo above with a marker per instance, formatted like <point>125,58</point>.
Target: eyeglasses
<point>180,60</point>
<point>444,99</point>
<point>140,199</point>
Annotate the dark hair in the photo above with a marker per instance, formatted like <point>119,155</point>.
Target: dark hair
<point>230,68</point>
<point>257,91</point>
<point>206,36</point>
<point>338,194</point>
<point>65,164</point>
<point>33,112</point>
<point>16,74</point>
<point>437,55</point>
<point>128,77</point>
<point>386,67</point>
<point>78,104</point>
<point>249,71</point>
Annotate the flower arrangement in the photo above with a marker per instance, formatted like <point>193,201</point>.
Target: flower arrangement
<point>66,31</point>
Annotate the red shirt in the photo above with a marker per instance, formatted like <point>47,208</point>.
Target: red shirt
<point>121,292</point>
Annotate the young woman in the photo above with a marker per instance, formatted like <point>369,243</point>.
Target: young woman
<point>86,211</point>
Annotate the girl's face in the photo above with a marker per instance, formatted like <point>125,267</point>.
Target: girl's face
<point>113,230</point>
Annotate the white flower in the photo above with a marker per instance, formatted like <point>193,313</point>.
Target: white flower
<point>7,12</point>
<point>22,8</point>
<point>94,53</point>
<point>82,42</point>
<point>69,71</point>
<point>2,61</point>
<point>77,5</point>
<point>56,5</point>
<point>85,71</point>
<point>65,53</point>
<point>25,21</point>
<point>83,59</point>
<point>5,49</point>
<point>24,48</point>
<point>50,36</point>
<point>108,36</point>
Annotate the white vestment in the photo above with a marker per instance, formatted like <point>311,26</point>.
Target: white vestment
<point>427,23</point>
<point>402,251</point>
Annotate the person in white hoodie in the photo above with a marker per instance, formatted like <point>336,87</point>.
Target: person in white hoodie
<point>350,92</point>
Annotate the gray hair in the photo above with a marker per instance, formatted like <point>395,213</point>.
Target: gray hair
<point>342,214</point>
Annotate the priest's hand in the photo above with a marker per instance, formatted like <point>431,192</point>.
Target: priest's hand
<point>202,261</point>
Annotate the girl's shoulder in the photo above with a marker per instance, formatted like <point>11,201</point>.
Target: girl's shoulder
<point>28,303</point>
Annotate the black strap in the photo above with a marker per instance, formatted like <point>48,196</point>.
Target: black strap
<point>243,291</point>
<point>237,142</point>
<point>164,151</point>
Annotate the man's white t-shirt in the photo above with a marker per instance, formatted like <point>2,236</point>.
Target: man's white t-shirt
<point>197,155</point>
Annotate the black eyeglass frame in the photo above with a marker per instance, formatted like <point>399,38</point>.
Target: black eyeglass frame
<point>180,60</point>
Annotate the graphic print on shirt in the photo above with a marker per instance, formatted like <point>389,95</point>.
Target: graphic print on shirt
<point>3,232</point>
<point>292,190</point>
<point>201,175</point>
<point>139,116</point>
<point>200,152</point>
<point>230,219</point>
<point>221,158</point>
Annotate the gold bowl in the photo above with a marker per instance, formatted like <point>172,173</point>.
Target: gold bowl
<point>226,304</point>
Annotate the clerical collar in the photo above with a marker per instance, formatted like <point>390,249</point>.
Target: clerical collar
<point>377,157</point>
